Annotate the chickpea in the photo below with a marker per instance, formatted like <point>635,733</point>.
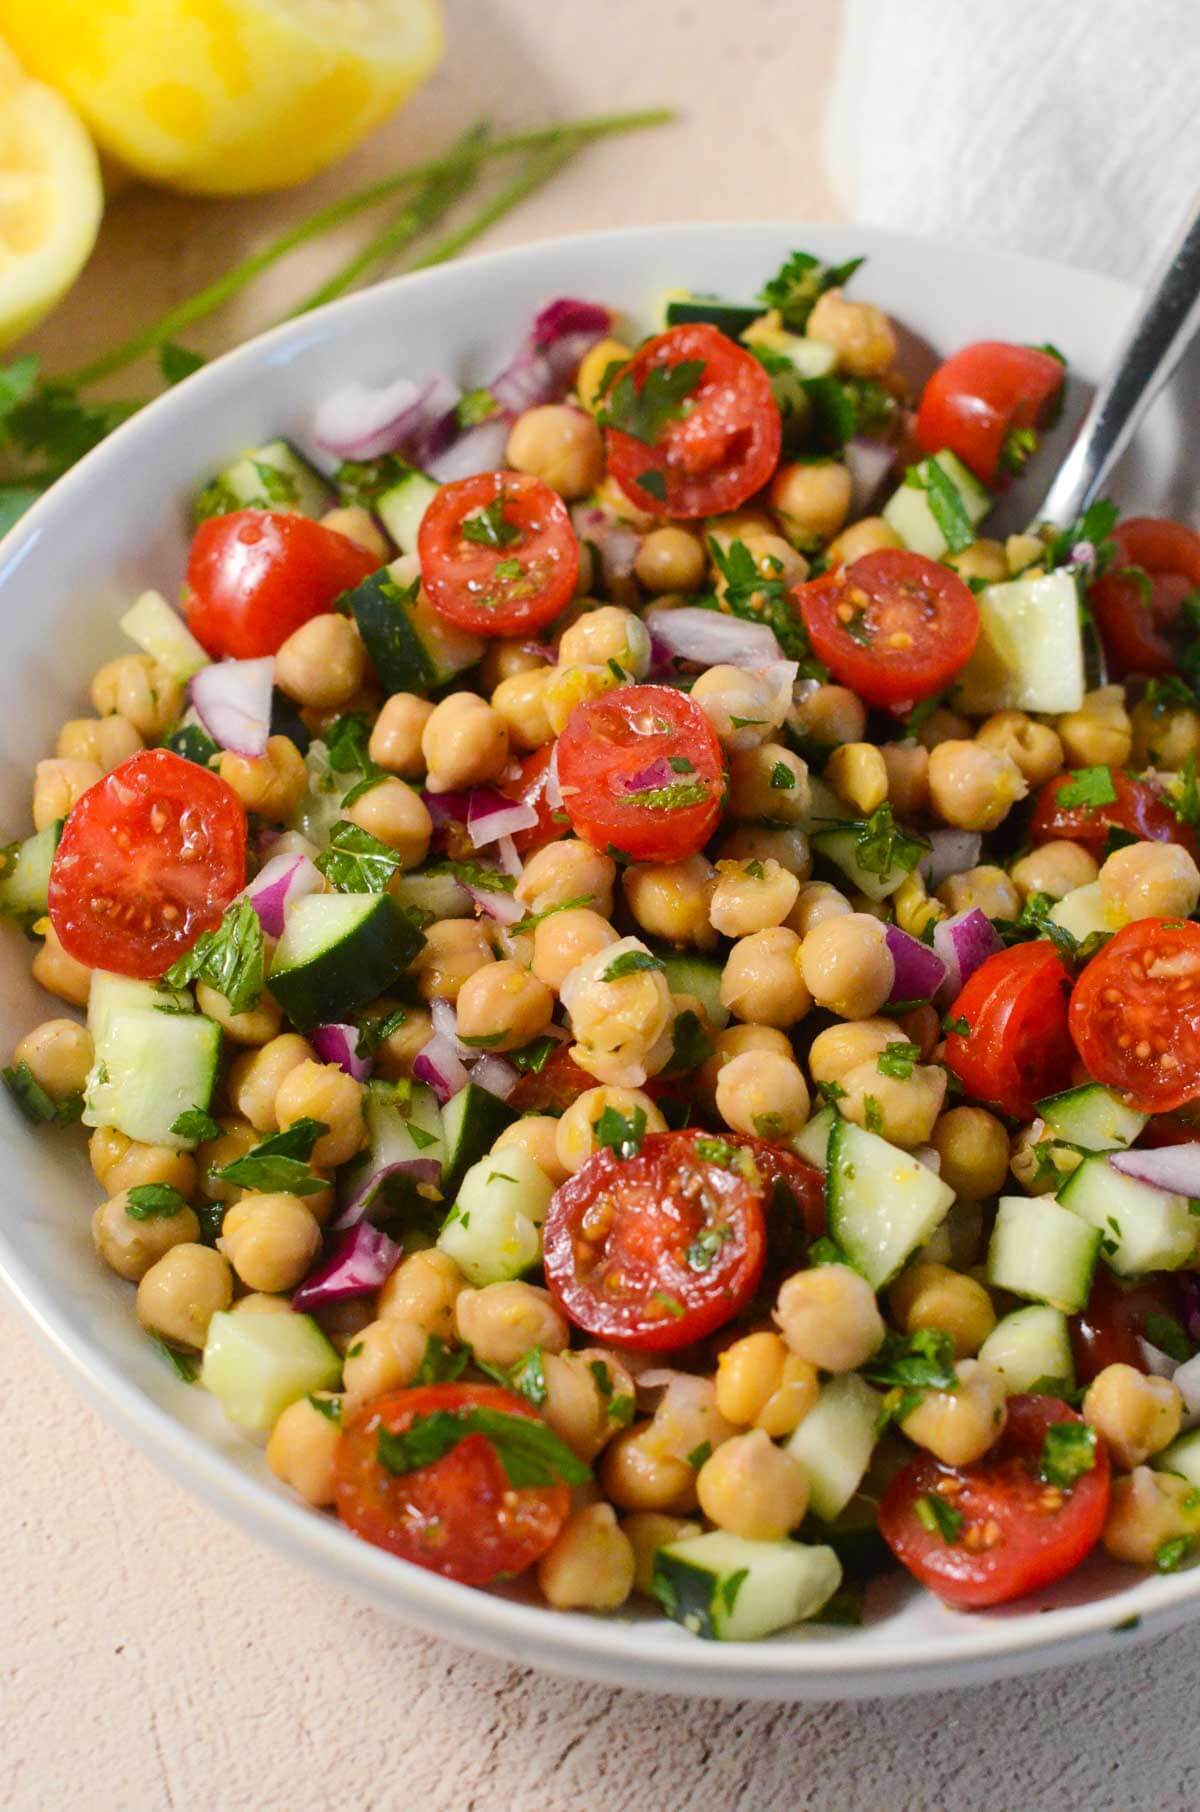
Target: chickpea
<point>621,1025</point>
<point>1034,1159</point>
<point>423,1289</point>
<point>567,871</point>
<point>562,942</point>
<point>323,1091</point>
<point>561,446</point>
<point>671,899</point>
<point>769,782</point>
<point>785,844</point>
<point>933,1296</point>
<point>590,1566</point>
<point>357,525</point>
<point>811,499</point>
<point>270,1240</point>
<point>506,658</point>
<point>764,981</point>
<point>129,1246</point>
<point>763,1094</point>
<point>58,785</point>
<point>1147,1509</point>
<point>866,536</point>
<point>732,1042</point>
<point>59,973</point>
<point>914,909</point>
<point>943,725</point>
<point>255,1026</point>
<point>648,1531</point>
<point>1163,735</point>
<point>235,1139</point>
<point>1100,733</point>
<point>753,1488</point>
<point>272,784</point>
<point>829,715</point>
<point>535,1134</point>
<point>1150,880</point>
<point>454,950</point>
<point>1056,868</point>
<point>301,1449</point>
<point>323,663</point>
<point>987,887</point>
<point>503,1006</point>
<point>576,1141</point>
<point>386,1356</point>
<point>983,559</point>
<point>907,765</point>
<point>395,812</point>
<point>182,1291</point>
<point>762,1384</point>
<point>847,966</point>
<point>504,1321</point>
<point>136,687</point>
<point>972,787</point>
<point>751,896</point>
<point>107,741</point>
<point>858,773</point>
<point>258,1303</point>
<point>607,633</point>
<point>587,1393</point>
<point>958,1426</point>
<point>743,706</point>
<point>122,1163</point>
<point>396,738</point>
<point>394,1057</point>
<point>637,1476</point>
<point>1137,1415</point>
<point>973,1147</point>
<point>341,1322</point>
<point>859,333</point>
<point>687,1418</point>
<point>464,742</point>
<point>816,903</point>
<point>842,1048</point>
<point>902,1109</point>
<point>828,1316</point>
<point>1034,747</point>
<point>669,559</point>
<point>520,703</point>
<point>58,1053</point>
<point>254,1078</point>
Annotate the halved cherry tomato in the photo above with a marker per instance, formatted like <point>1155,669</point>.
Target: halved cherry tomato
<point>986,403</point>
<point>1017,1048</point>
<point>1137,809</point>
<point>795,1207</point>
<point>893,626</point>
<point>641,771</point>
<point>1017,1533</point>
<point>553,1088</point>
<point>1107,1330</point>
<point>526,780</point>
<point>710,449</point>
<point>149,858</point>
<point>1135,1014</point>
<point>498,553</point>
<point>657,1250</point>
<point>459,1516</point>
<point>1155,564</point>
<point>257,576</point>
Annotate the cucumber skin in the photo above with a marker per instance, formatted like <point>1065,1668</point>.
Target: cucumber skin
<point>479,1122</point>
<point>335,983</point>
<point>396,651</point>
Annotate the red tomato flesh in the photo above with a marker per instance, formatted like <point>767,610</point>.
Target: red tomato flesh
<point>1018,1535</point>
<point>1017,1048</point>
<point>1155,564</point>
<point>1135,1014</point>
<point>1107,1330</point>
<point>893,626</point>
<point>149,858</point>
<point>257,576</point>
<point>1137,809</point>
<point>641,771</point>
<point>498,553</point>
<point>657,1250</point>
<point>985,404</point>
<point>718,446</point>
<point>554,1087</point>
<point>459,1517</point>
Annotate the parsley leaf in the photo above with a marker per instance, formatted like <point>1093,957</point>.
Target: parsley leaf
<point>662,398</point>
<point>922,1360</point>
<point>621,1135</point>
<point>690,1044</point>
<point>36,1105</point>
<point>672,798</point>
<point>229,958</point>
<point>631,962</point>
<point>530,1452</point>
<point>195,1123</point>
<point>799,283</point>
<point>1068,1451</point>
<point>487,527</point>
<point>534,919</point>
<point>1087,787</point>
<point>364,481</point>
<point>897,1060</point>
<point>782,778</point>
<point>280,1164</point>
<point>945,503</point>
<point>474,407</point>
<point>440,1363</point>
<point>179,1363</point>
<point>1170,1555</point>
<point>357,862</point>
<point>374,1032</point>
<point>758,599</point>
<point>527,1376</point>
<point>154,1201</point>
<point>938,1517</point>
<point>1168,1335</point>
<point>881,845</point>
<point>532,1058</point>
<point>706,1246</point>
<point>1092,530</point>
<point>329,1407</point>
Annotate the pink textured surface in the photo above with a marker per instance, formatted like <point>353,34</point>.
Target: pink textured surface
<point>153,1657</point>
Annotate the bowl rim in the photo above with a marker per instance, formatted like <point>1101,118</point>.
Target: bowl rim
<point>577,1644</point>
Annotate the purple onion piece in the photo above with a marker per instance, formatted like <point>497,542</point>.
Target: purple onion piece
<point>339,1044</point>
<point>659,773</point>
<point>438,1064</point>
<point>278,884</point>
<point>920,971</point>
<point>477,449</point>
<point>492,815</point>
<point>358,1262</point>
<point>712,639</point>
<point>868,463</point>
<point>1175,1168</point>
<point>963,943</point>
<point>232,699</point>
<point>504,908</point>
<point>495,1075</point>
<point>951,852</point>
<point>361,422</point>
<point>370,1181</point>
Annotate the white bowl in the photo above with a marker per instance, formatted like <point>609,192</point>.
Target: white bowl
<point>116,524</point>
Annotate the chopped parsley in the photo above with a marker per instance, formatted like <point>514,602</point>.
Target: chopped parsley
<point>475,407</point>
<point>329,1407</point>
<point>631,962</point>
<point>923,1360</point>
<point>671,798</point>
<point>373,1032</point>
<point>897,1060</point>
<point>532,1058</point>
<point>530,1452</point>
<point>194,1123</point>
<point>1068,1451</point>
<point>690,1044</point>
<point>1173,1554</point>
<point>719,1152</point>
<point>527,1376</point>
<point>357,862</point>
<point>36,1105</point>
<point>179,1363</point>
<point>782,777</point>
<point>1094,530</point>
<point>938,1517</point>
<point>662,398</point>
<point>441,1363</point>
<point>623,1136</point>
<point>798,285</point>
<point>758,599</point>
<point>706,1246</point>
<point>671,1304</point>
<point>872,1114</point>
<point>280,1164</point>
<point>957,1026</point>
<point>154,1201</point>
<point>945,504</point>
<point>1087,787</point>
<point>881,845</point>
<point>229,959</point>
<point>699,1455</point>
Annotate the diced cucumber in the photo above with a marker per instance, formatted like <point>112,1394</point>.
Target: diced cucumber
<point>25,876</point>
<point>255,1365</point>
<point>835,1441</point>
<point>111,994</point>
<point>439,894</point>
<point>1029,656</point>
<point>732,318</point>
<point>1182,1456</point>
<point>1029,1344</point>
<point>151,1065</point>
<point>274,477</point>
<point>883,1203</point>
<point>1042,1251</point>
<point>162,632</point>
<point>938,507</point>
<point>320,805</point>
<point>412,648</point>
<point>472,1121</point>
<point>841,848</point>
<point>1141,1228</point>
<point>493,1231</point>
<point>1092,1116</point>
<point>825,809</point>
<point>700,976</point>
<point>401,507</point>
<point>1082,912</point>
<point>339,951</point>
<point>399,1129</point>
<point>728,1589</point>
<point>812,1141</point>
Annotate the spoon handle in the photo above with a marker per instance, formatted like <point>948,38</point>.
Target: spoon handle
<point>1155,340</point>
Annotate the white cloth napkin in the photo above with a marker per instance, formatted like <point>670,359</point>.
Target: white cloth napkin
<point>1065,128</point>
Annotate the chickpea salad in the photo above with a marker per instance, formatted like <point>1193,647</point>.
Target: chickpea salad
<point>639,975</point>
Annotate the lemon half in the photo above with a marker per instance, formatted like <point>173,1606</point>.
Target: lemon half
<point>226,97</point>
<point>51,198</point>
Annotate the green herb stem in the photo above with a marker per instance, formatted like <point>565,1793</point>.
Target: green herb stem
<point>537,170</point>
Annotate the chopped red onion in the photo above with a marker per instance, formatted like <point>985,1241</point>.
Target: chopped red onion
<point>447,808</point>
<point>339,1044</point>
<point>963,943</point>
<point>359,1262</point>
<point>232,699</point>
<point>495,1075</point>
<point>479,448</point>
<point>1175,1168</point>
<point>712,639</point>
<point>278,884</point>
<point>616,542</point>
<point>659,773</point>
<point>543,368</point>
<point>361,422</point>
<point>1156,1362</point>
<point>438,1064</point>
<point>492,815</point>
<point>1187,1377</point>
<point>495,904</point>
<point>951,852</point>
<point>868,463</point>
<point>445,1024</point>
<point>920,971</point>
